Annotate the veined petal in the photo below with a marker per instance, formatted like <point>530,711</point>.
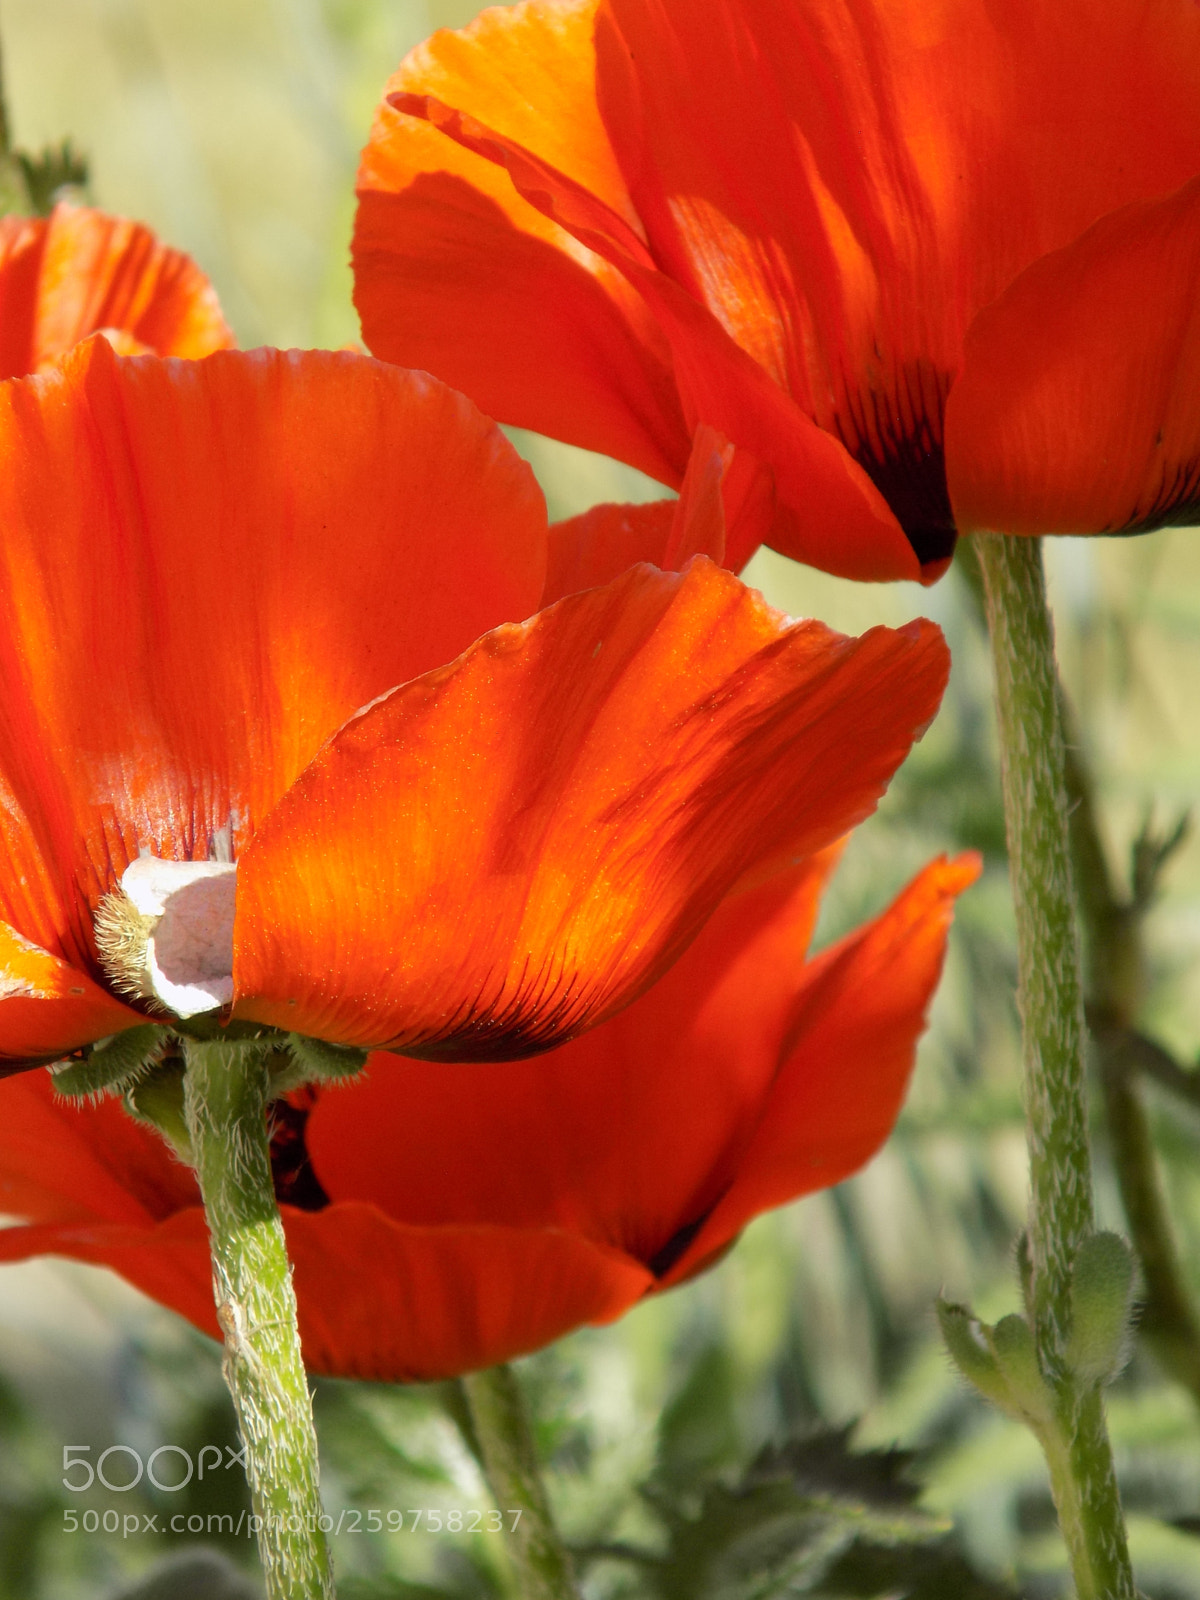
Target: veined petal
<point>829,193</point>
<point>917,182</point>
<point>854,1029</point>
<point>206,568</point>
<point>505,852</point>
<point>623,1136</point>
<point>48,1008</point>
<point>80,271</point>
<point>1078,406</point>
<point>455,272</point>
<point>375,1299</point>
<point>835,518</point>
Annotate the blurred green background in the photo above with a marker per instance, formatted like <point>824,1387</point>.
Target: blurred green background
<point>233,128</point>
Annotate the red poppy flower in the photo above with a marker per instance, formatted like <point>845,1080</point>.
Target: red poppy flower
<point>232,593</point>
<point>440,1221</point>
<point>79,271</point>
<point>931,264</point>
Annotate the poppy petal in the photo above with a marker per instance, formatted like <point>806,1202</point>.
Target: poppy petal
<point>854,1028</point>
<point>169,1260</point>
<point>48,1008</point>
<point>844,187</point>
<point>62,1162</point>
<point>625,1135</point>
<point>206,568</point>
<point>836,191</point>
<point>375,1299</point>
<point>1078,406</point>
<point>835,517</point>
<point>456,273</point>
<point>599,545</point>
<point>379,1300</point>
<point>503,853</point>
<point>79,271</point>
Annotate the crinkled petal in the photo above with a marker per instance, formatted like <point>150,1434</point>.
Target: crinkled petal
<point>853,1034</point>
<point>206,568</point>
<point>598,545</point>
<point>506,852</point>
<point>81,271</point>
<point>1078,406</point>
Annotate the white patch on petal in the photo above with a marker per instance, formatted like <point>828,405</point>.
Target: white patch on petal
<point>189,954</point>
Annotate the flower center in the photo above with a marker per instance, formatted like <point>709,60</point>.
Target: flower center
<point>167,933</point>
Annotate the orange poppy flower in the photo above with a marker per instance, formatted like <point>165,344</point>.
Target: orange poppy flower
<point>243,772</point>
<point>440,1221</point>
<point>931,264</point>
<point>79,272</point>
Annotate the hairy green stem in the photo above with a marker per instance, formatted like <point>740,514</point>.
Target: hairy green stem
<point>225,1093</point>
<point>1050,999</point>
<point>502,1432</point>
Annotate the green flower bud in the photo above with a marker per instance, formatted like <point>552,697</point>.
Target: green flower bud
<point>1102,1308</point>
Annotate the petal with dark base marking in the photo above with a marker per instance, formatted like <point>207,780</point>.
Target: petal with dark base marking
<point>1078,406</point>
<point>853,1036</point>
<point>505,852</point>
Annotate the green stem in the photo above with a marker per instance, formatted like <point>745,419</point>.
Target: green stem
<point>502,1432</point>
<point>225,1092</point>
<point>1116,980</point>
<point>1050,999</point>
<point>1168,1320</point>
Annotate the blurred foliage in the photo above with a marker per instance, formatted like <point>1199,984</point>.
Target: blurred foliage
<point>787,1425</point>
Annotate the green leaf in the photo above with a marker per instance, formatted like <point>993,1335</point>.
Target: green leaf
<point>698,1431</point>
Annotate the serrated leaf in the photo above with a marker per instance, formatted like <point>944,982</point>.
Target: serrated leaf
<point>800,1506</point>
<point>48,172</point>
<point>937,1571</point>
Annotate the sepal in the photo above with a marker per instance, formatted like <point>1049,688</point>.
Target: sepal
<point>112,1065</point>
<point>158,1100</point>
<point>297,1060</point>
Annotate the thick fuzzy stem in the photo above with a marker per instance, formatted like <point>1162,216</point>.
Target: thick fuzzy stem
<point>502,1432</point>
<point>1050,998</point>
<point>225,1089</point>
